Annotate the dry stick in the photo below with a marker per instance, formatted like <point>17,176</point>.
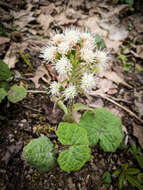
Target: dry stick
<point>124,108</point>
<point>37,91</point>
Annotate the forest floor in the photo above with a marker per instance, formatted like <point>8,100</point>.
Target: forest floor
<point>25,27</point>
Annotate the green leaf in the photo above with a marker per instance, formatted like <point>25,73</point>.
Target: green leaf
<point>140,178</point>
<point>107,177</point>
<point>3,94</point>
<point>117,172</point>
<point>121,180</point>
<point>78,153</point>
<point>102,126</point>
<point>4,84</point>
<point>124,167</point>
<point>140,160</point>
<point>16,93</point>
<point>77,107</point>
<point>71,134</point>
<point>4,71</point>
<point>135,150</point>
<point>134,182</point>
<point>99,42</point>
<point>132,171</point>
<point>39,154</point>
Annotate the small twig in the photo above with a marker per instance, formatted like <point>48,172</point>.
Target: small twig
<point>32,109</point>
<point>37,91</point>
<point>107,97</point>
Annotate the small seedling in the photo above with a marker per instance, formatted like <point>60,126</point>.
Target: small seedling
<point>128,174</point>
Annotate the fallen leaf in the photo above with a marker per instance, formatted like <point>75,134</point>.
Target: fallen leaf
<point>10,58</point>
<point>138,132</point>
<point>115,78</point>
<point>41,71</point>
<point>139,50</point>
<point>45,20</point>
<point>11,151</point>
<point>24,20</point>
<point>92,24</point>
<point>4,40</point>
<point>63,20</point>
<point>105,85</point>
<point>53,115</point>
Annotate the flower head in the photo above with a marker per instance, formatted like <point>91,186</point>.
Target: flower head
<point>55,88</point>
<point>63,65</point>
<point>64,47</point>
<point>72,36</point>
<point>70,92</point>
<point>57,39</point>
<point>87,81</point>
<point>88,40</point>
<point>49,53</point>
<point>101,56</point>
<point>87,55</point>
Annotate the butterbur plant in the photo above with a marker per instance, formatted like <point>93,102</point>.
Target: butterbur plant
<point>78,60</point>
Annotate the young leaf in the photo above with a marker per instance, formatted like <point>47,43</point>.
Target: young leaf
<point>117,172</point>
<point>134,182</point>
<point>78,153</point>
<point>132,171</point>
<point>140,178</point>
<point>103,126</point>
<point>121,180</point>
<point>140,160</point>
<point>4,71</point>
<point>39,154</point>
<point>107,177</point>
<point>16,93</point>
<point>99,42</point>
<point>3,94</point>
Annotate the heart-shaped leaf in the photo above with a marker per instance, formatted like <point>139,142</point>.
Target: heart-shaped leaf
<point>16,93</point>
<point>78,153</point>
<point>39,154</point>
<point>102,126</point>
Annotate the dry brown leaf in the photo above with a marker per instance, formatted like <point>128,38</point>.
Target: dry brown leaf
<point>10,58</point>
<point>45,20</point>
<point>48,10</point>
<point>105,85</point>
<point>111,44</point>
<point>41,71</point>
<point>138,132</point>
<point>24,19</point>
<point>4,40</point>
<point>63,20</point>
<point>115,78</point>
<point>92,24</point>
<point>139,50</point>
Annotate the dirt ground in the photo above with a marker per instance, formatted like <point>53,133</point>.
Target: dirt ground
<point>25,27</point>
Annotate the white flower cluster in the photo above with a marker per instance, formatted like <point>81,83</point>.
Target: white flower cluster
<point>74,55</point>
